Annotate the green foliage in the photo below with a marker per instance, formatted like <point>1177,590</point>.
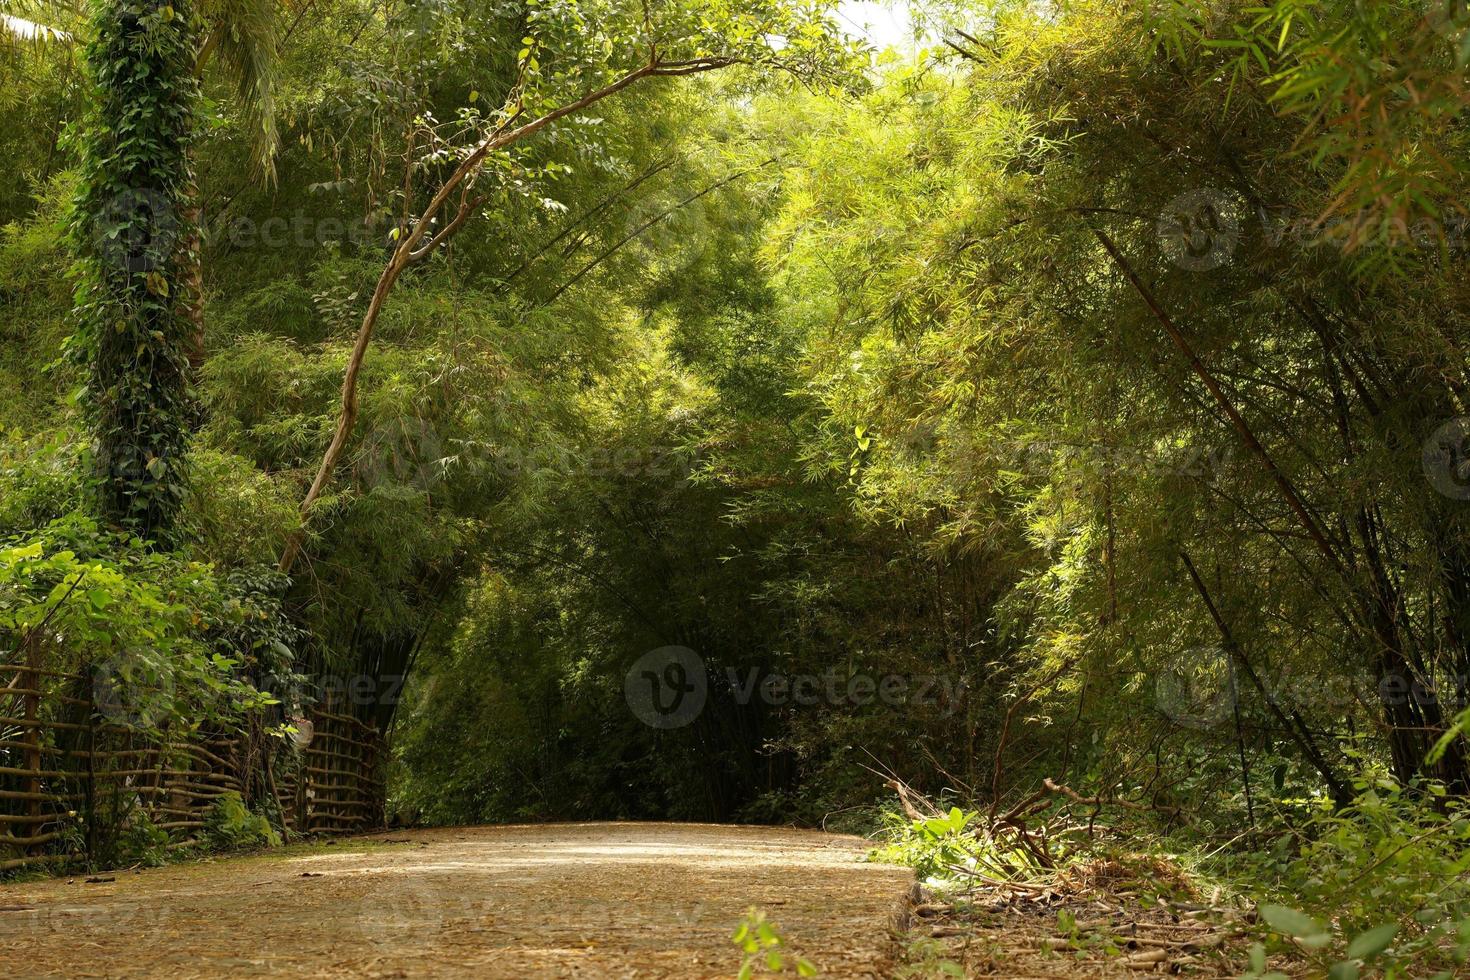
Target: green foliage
<point>163,637</point>
<point>246,36</point>
<point>934,847</point>
<point>1372,126</point>
<point>131,237</point>
<point>36,302</point>
<point>817,375</point>
<point>236,514</point>
<point>764,950</point>
<point>142,842</point>
<point>1379,886</point>
<point>232,826</point>
<point>40,481</point>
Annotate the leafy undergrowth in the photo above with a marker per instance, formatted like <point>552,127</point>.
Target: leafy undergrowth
<point>1001,895</point>
<point>763,949</point>
<point>234,826</point>
<point>1378,889</point>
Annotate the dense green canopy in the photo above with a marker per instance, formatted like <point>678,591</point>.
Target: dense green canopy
<point>1080,394</point>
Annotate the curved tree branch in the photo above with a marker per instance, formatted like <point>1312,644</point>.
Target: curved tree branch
<point>409,251</point>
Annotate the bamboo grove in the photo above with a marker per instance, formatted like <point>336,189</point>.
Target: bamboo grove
<point>1076,393</point>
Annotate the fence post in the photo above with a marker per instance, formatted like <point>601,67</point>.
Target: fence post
<point>90,813</point>
<point>32,716</point>
<point>367,784</point>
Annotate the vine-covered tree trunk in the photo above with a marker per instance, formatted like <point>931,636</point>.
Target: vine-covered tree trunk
<point>129,221</point>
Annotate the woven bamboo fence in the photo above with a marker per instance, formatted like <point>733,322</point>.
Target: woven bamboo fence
<point>72,777</point>
<point>339,788</point>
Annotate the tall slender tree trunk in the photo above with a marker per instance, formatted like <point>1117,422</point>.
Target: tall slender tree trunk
<point>1412,716</point>
<point>191,275</point>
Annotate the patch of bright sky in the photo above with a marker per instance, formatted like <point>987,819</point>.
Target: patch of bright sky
<point>883,25</point>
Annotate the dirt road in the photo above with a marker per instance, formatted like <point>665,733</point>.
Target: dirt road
<point>584,900</point>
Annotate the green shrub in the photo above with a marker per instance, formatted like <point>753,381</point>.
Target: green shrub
<point>1380,886</point>
<point>232,826</point>
<point>161,634</point>
<point>142,842</point>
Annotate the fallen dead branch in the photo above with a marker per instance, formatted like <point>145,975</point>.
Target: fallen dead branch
<point>1064,908</point>
<point>1077,797</point>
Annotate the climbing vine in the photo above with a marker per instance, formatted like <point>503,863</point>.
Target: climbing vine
<point>129,231</point>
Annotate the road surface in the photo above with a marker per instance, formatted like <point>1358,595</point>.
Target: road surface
<point>579,900</point>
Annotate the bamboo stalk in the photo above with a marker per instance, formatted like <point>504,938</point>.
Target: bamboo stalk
<point>10,743</point>
<point>64,698</point>
<point>38,773</point>
<point>337,790</point>
<point>60,725</point>
<point>32,841</point>
<point>40,671</point>
<point>16,818</point>
<point>13,863</point>
<point>200,750</point>
<point>334,772</point>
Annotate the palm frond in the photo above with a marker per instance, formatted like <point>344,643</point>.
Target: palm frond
<point>33,24</point>
<point>20,29</point>
<point>245,35</point>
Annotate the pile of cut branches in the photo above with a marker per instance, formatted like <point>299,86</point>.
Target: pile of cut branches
<point>1041,886</point>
